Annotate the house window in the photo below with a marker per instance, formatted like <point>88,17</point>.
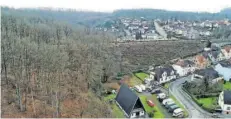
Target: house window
<point>228,108</point>
<point>172,73</point>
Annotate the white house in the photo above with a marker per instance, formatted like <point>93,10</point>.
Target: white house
<point>224,101</point>
<point>150,78</point>
<point>184,67</point>
<point>164,74</point>
<point>129,103</point>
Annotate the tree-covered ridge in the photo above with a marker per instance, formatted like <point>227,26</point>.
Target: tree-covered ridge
<point>89,18</point>
<point>51,69</point>
<point>74,17</point>
<point>164,14</point>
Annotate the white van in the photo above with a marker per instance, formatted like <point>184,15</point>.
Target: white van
<point>142,87</point>
<point>138,89</point>
<point>161,95</point>
<point>165,101</point>
<point>178,113</point>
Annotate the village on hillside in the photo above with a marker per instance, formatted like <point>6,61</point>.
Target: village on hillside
<point>156,29</point>
<point>205,77</point>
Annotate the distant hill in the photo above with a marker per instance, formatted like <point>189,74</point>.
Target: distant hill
<point>164,14</point>
<point>69,15</point>
<point>89,18</point>
<point>226,11</point>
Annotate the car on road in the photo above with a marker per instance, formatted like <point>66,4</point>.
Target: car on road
<point>215,116</point>
<point>178,113</point>
<point>172,108</point>
<point>150,103</point>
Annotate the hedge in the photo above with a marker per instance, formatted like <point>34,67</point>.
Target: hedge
<point>195,100</point>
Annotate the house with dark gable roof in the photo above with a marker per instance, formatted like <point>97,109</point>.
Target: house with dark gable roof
<point>214,56</point>
<point>164,74</point>
<point>224,69</point>
<point>208,73</point>
<point>129,102</point>
<point>225,101</point>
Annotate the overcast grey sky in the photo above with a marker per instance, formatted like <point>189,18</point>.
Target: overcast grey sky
<point>110,5</point>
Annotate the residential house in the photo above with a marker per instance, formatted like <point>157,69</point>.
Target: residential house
<point>210,74</point>
<point>224,101</point>
<point>201,62</point>
<point>226,51</point>
<point>224,69</point>
<point>184,67</point>
<point>129,102</point>
<point>164,74</point>
<point>213,56</point>
<point>152,36</point>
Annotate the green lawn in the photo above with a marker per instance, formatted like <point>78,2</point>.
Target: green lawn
<point>209,102</point>
<point>157,112</point>
<point>116,111</point>
<point>166,85</point>
<point>109,97</point>
<point>227,86</point>
<point>141,75</point>
<point>135,81</point>
<point>180,105</point>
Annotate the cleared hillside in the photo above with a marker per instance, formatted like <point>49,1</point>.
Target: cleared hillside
<point>141,54</point>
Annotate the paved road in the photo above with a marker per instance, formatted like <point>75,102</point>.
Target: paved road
<point>160,30</point>
<point>194,110</point>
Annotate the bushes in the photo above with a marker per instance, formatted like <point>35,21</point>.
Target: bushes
<point>203,106</point>
<point>151,114</point>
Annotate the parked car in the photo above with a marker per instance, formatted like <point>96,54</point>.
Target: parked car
<point>168,106</point>
<point>172,108</point>
<point>161,95</point>
<point>169,103</point>
<point>178,113</point>
<point>150,103</point>
<point>138,89</point>
<point>165,101</point>
<point>156,91</point>
<point>149,88</point>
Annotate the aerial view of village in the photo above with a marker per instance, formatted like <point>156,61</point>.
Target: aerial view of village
<point>59,60</point>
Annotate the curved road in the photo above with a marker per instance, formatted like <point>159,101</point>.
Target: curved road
<point>193,109</point>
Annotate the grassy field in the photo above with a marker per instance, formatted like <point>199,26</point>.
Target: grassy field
<point>180,105</point>
<point>157,111</point>
<point>135,81</point>
<point>141,75</point>
<point>209,102</point>
<point>109,97</point>
<point>166,85</point>
<point>116,111</point>
<point>227,86</point>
